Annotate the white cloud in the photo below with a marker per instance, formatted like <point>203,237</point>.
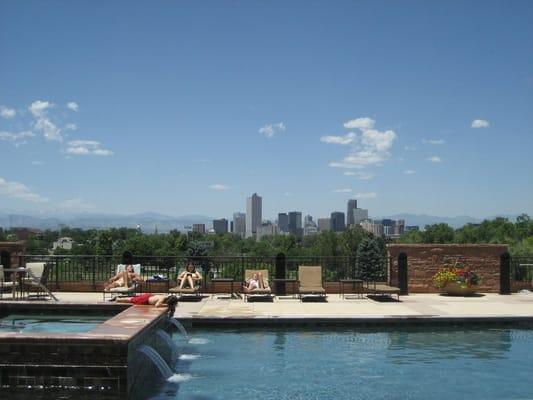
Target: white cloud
<point>219,187</point>
<point>270,130</point>
<point>360,123</point>
<point>71,105</point>
<point>366,195</point>
<point>369,148</point>
<point>342,140</point>
<point>71,127</point>
<point>87,147</point>
<point>343,190</point>
<point>6,112</point>
<point>16,138</point>
<point>76,204</point>
<point>409,148</point>
<point>480,123</point>
<point>39,108</point>
<point>362,175</point>
<point>49,129</point>
<point>20,191</point>
<point>434,141</point>
<point>435,159</point>
<point>409,172</point>
<point>36,162</point>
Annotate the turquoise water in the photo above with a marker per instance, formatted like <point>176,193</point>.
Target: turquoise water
<point>50,323</point>
<point>338,364</point>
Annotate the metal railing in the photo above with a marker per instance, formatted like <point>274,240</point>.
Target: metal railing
<point>93,270</point>
<point>522,268</point>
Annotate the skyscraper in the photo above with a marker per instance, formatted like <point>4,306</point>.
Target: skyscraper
<point>360,214</point>
<point>352,205</point>
<point>220,225</point>
<point>337,221</point>
<point>324,224</point>
<point>295,223</point>
<point>283,222</point>
<point>239,224</point>
<point>254,214</point>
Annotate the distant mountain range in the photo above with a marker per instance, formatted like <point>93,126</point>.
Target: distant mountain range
<point>149,221</point>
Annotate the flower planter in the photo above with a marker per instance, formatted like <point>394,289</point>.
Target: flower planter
<point>455,289</point>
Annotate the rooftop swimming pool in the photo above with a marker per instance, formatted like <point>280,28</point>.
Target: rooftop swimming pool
<point>25,323</point>
<point>307,364</point>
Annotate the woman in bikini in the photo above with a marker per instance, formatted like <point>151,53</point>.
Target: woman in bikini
<point>255,282</point>
<point>123,279</point>
<point>158,300</point>
<point>190,276</point>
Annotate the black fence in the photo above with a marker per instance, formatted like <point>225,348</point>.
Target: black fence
<point>97,269</point>
<point>522,268</point>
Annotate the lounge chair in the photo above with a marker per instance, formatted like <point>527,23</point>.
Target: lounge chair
<point>37,278</point>
<point>257,292</point>
<point>310,282</point>
<point>5,286</point>
<point>383,289</point>
<point>122,290</point>
<point>195,291</point>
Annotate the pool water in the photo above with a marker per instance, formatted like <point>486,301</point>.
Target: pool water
<point>50,323</point>
<point>353,364</point>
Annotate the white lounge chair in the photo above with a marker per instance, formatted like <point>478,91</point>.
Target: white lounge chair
<point>122,290</point>
<point>37,278</point>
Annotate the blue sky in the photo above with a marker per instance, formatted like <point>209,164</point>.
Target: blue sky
<point>190,107</point>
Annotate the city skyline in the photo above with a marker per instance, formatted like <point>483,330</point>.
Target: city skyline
<point>413,109</point>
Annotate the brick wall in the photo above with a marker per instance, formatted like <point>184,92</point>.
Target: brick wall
<point>424,260</point>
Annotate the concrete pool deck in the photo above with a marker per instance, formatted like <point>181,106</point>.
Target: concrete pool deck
<point>435,306</point>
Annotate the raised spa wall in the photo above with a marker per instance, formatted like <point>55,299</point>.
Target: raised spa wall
<point>105,358</point>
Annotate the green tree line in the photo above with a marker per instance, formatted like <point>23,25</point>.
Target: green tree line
<point>517,234</point>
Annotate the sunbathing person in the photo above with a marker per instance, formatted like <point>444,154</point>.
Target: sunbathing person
<point>124,278</point>
<point>255,282</point>
<point>158,300</point>
<point>190,276</point>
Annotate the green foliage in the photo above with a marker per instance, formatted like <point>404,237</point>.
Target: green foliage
<point>518,235</point>
<point>370,259</point>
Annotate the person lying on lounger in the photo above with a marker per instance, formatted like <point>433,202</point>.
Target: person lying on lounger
<point>158,300</point>
<point>255,282</point>
<point>124,278</point>
<point>190,276</point>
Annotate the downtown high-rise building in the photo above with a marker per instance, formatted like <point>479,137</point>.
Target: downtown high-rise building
<point>220,225</point>
<point>239,224</point>
<point>254,214</point>
<point>350,212</point>
<point>337,221</point>
<point>324,224</point>
<point>359,215</point>
<point>295,223</point>
<point>283,222</point>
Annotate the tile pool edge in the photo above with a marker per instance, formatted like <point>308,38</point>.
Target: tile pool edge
<point>357,321</point>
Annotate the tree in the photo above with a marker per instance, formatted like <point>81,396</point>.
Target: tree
<point>370,261</point>
<point>438,233</point>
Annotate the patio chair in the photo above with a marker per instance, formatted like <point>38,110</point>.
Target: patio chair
<point>310,282</point>
<point>195,291</point>
<point>36,279</point>
<point>257,292</point>
<point>5,286</point>
<point>122,290</point>
<point>382,289</point>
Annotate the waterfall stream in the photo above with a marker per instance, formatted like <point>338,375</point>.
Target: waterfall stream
<point>157,360</point>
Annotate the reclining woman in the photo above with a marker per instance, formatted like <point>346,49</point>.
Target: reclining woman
<point>190,276</point>
<point>255,282</point>
<point>158,300</point>
<point>124,278</point>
